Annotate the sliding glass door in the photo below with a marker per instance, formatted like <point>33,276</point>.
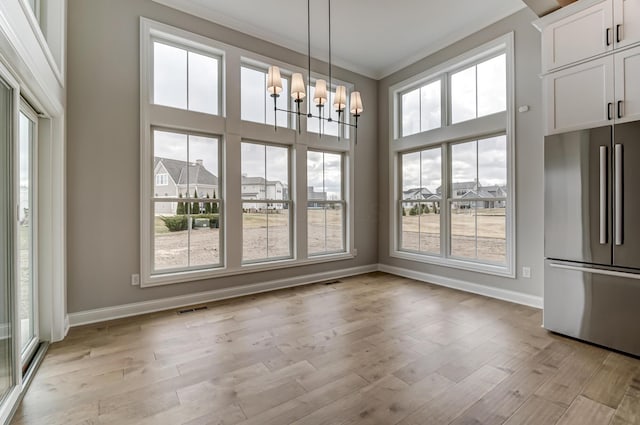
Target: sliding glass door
<point>26,217</point>
<point>7,361</point>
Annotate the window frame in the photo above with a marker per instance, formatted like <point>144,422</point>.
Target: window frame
<point>342,201</point>
<point>501,123</point>
<point>231,130</point>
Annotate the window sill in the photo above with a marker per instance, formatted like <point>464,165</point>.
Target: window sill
<point>196,275</point>
<point>494,270</point>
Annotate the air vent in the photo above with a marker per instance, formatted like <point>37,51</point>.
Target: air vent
<point>192,309</point>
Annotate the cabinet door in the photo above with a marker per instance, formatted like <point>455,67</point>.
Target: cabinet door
<point>627,22</point>
<point>580,97</point>
<point>579,36</point>
<point>627,68</point>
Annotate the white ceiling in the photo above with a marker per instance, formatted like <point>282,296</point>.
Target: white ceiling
<point>371,37</point>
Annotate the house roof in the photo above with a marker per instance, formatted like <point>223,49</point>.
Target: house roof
<point>182,172</point>
<point>259,180</point>
<point>417,191</point>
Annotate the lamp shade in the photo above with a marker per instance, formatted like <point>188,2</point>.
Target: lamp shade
<point>340,99</point>
<point>356,103</point>
<point>320,94</point>
<point>297,86</point>
<point>274,81</point>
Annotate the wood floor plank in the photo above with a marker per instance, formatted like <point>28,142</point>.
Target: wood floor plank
<point>585,411</point>
<point>373,349</point>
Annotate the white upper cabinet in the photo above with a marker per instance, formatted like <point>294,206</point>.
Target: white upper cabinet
<point>627,85</point>
<point>580,97</point>
<point>580,36</point>
<point>590,32</point>
<point>627,22</point>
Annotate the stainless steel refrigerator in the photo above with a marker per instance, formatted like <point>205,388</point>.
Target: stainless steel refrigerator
<point>592,235</point>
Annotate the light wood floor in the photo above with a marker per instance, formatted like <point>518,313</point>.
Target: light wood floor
<point>373,349</point>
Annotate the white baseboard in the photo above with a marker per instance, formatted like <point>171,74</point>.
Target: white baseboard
<point>134,309</point>
<point>501,294</point>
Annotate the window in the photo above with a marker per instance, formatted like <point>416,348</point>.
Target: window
<point>185,79</point>
<point>421,108</point>
<point>204,154</point>
<point>257,104</point>
<point>479,90</point>
<point>420,201</point>
<point>314,125</point>
<point>186,219</point>
<point>162,179</point>
<point>325,203</point>
<point>454,188</point>
<point>266,206</point>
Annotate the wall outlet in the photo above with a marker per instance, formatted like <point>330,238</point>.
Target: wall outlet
<point>355,252</point>
<point>526,272</point>
<point>135,279</point>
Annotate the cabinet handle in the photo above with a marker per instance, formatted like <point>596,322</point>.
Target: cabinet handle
<point>618,37</point>
<point>609,106</point>
<point>608,36</point>
<point>619,109</point>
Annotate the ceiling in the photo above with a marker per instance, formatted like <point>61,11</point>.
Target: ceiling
<point>372,37</point>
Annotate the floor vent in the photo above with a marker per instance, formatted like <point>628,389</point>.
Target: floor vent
<point>331,282</point>
<point>192,310</point>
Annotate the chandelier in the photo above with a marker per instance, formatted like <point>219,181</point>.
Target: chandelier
<point>320,98</point>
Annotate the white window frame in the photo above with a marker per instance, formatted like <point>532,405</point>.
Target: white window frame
<point>231,131</point>
<point>479,128</point>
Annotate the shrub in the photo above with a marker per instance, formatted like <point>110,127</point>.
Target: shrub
<point>175,223</point>
<point>180,210</point>
<point>414,210</point>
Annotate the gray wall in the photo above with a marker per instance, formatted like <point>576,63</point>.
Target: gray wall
<point>103,158</point>
<point>528,148</point>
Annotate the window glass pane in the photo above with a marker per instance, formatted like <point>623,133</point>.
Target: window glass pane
<point>410,227</point>
<point>253,89</point>
<point>169,76</point>
<point>25,231</point>
<point>431,100</point>
<point>204,241</point>
<point>333,176</point>
<point>492,236</point>
<point>464,171</point>
<point>203,83</point>
<point>266,222</point>
<point>171,236</point>
<point>463,229</point>
<point>411,113</point>
<point>410,174</point>
<point>203,168</point>
<point>492,166</point>
<point>170,157</point>
<point>253,172</point>
<point>431,173</point>
<point>315,176</point>
<point>492,86</point>
<point>463,95</point>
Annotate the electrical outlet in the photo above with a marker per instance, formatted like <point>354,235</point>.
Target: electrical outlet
<point>355,252</point>
<point>526,272</point>
<point>135,279</point>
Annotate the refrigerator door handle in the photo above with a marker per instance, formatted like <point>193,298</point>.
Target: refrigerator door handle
<point>603,195</point>
<point>595,271</point>
<point>618,195</point>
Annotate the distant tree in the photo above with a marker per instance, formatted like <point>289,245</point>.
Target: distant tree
<point>414,210</point>
<point>180,210</point>
<point>207,206</point>
<point>404,212</point>
<point>196,205</point>
<point>214,207</point>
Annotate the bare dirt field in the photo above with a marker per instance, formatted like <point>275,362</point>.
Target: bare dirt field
<point>264,236</point>
<point>422,233</point>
